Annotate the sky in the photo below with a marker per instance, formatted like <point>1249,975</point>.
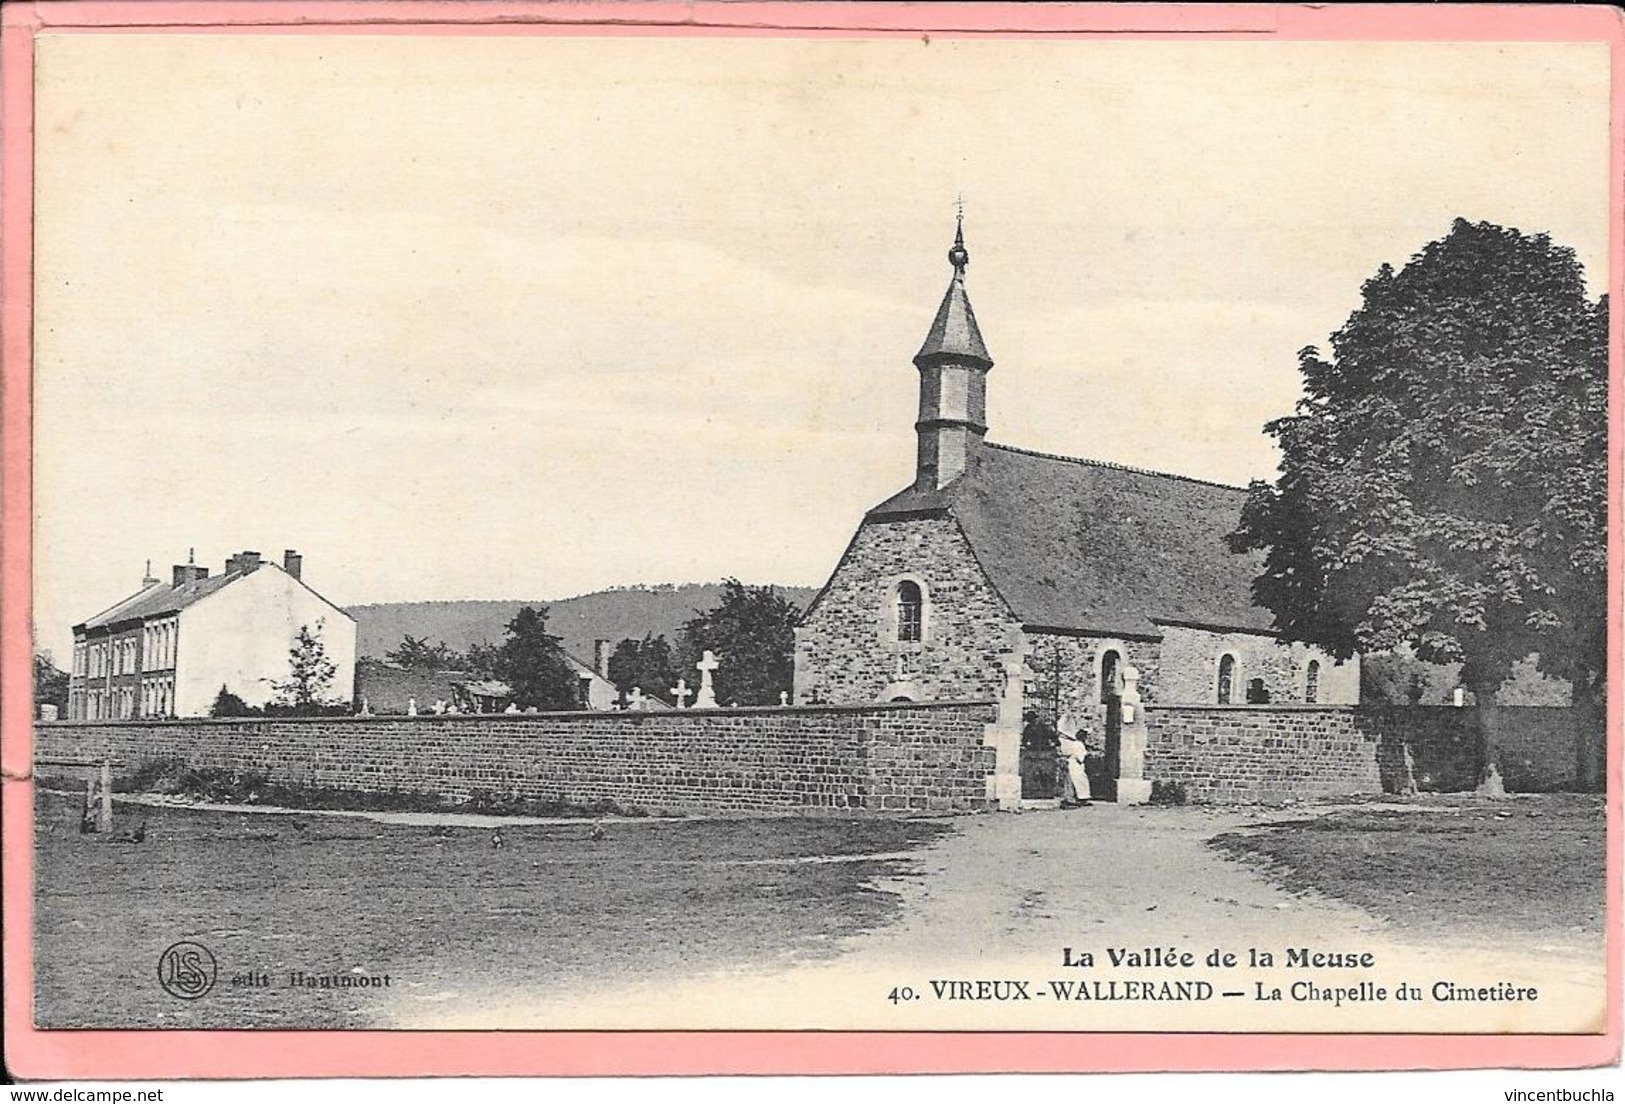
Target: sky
<point>492,317</point>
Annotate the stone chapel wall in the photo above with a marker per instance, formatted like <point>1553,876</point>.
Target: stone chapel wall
<point>847,650</point>
<point>1190,663</point>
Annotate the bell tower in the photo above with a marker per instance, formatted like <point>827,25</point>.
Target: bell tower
<point>953,366</point>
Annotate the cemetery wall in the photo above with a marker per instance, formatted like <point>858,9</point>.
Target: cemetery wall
<point>1537,748</point>
<point>1267,753</point>
<point>1279,752</point>
<point>903,757</point>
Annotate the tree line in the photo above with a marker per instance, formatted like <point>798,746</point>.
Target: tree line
<point>750,629</point>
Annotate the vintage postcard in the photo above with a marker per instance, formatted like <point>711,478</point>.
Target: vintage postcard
<point>516,525</point>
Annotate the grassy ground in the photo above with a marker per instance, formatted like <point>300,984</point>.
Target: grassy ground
<point>1455,864</point>
<point>440,910</point>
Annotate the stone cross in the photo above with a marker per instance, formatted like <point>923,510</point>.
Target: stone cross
<point>784,698</point>
<point>634,700</point>
<point>707,698</point>
<point>366,707</point>
<point>411,707</point>
<point>681,692</point>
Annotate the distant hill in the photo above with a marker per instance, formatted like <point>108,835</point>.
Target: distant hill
<point>605,615</point>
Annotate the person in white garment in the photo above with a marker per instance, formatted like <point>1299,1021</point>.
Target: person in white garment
<point>1075,791</point>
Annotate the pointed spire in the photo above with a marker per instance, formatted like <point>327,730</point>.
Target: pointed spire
<point>953,332</point>
<point>959,256</point>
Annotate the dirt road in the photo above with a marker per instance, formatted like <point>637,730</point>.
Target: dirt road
<point>1016,898</point>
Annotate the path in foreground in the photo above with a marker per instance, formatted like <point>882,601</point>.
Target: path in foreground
<point>1004,897</point>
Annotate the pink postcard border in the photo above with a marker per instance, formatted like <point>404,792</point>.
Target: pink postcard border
<point>36,1054</point>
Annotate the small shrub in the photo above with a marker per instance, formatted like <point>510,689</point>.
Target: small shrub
<point>227,704</point>
<point>1169,793</point>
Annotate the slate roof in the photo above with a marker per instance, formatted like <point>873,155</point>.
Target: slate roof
<point>1085,546</point>
<point>159,599</point>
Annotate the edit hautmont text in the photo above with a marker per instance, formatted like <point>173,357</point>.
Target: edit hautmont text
<point>298,979</point>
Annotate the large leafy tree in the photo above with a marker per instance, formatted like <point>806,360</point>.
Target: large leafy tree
<point>531,661</point>
<point>751,630</point>
<point>1443,480</point>
<point>646,664</point>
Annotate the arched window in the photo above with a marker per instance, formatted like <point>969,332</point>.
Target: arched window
<point>1227,678</point>
<point>1311,682</point>
<point>910,612</point>
<point>1111,682</point>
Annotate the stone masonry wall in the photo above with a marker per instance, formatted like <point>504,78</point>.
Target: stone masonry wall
<point>1537,748</point>
<point>847,649</point>
<point>1262,753</point>
<point>1190,668</point>
<point>890,757</point>
<point>1275,752</point>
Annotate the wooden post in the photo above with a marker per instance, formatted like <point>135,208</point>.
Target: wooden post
<point>107,796</point>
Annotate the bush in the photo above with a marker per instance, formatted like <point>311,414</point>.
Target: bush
<point>227,704</point>
<point>1169,793</point>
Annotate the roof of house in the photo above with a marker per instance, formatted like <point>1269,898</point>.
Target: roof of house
<point>160,598</point>
<point>1082,545</point>
<point>586,669</point>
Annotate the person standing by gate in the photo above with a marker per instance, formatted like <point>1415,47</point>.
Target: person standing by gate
<point>1075,791</point>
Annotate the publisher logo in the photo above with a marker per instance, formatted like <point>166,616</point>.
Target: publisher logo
<point>187,970</point>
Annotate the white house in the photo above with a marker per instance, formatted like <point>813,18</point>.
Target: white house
<point>166,650</point>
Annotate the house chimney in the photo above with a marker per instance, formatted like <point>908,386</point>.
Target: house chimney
<point>189,572</point>
<point>292,562</point>
<point>243,563</point>
<point>600,657</point>
<point>147,579</point>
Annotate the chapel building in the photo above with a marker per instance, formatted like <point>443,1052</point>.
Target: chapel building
<point>1089,567</point>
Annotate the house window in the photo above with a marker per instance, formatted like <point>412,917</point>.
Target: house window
<point>1311,682</point>
<point>1227,678</point>
<point>910,612</point>
<point>1111,680</point>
